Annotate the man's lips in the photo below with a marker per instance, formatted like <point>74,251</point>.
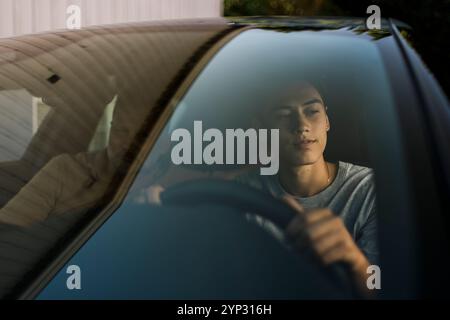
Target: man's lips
<point>303,143</point>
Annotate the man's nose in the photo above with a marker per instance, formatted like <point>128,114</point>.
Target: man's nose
<point>300,124</point>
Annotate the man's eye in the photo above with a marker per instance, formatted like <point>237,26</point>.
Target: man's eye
<point>311,112</point>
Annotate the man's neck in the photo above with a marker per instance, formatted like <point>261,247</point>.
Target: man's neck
<point>305,180</point>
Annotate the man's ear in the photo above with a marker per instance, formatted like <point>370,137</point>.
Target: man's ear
<point>328,123</point>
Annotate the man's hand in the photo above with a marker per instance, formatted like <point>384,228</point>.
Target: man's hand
<point>328,237</point>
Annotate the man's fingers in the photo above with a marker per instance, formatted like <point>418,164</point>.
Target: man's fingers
<point>327,242</point>
<point>323,227</point>
<point>334,254</point>
<point>315,224</point>
<point>314,216</point>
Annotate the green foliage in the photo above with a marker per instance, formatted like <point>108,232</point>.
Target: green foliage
<point>281,7</point>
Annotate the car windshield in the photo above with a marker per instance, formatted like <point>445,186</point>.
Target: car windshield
<point>268,100</point>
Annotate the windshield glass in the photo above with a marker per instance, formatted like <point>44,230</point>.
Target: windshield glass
<point>281,112</point>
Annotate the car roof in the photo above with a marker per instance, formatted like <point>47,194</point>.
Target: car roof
<point>267,22</point>
<point>170,28</point>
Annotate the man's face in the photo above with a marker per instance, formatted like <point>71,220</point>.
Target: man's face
<point>301,117</point>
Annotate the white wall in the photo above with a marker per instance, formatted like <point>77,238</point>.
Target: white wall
<point>28,16</point>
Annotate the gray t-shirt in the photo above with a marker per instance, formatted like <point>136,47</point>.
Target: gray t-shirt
<point>351,196</point>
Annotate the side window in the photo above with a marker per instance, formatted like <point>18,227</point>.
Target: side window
<point>21,116</point>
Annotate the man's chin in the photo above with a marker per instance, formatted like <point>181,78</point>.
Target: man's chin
<point>304,161</point>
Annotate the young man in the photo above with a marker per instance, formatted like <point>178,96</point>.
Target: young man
<point>335,203</point>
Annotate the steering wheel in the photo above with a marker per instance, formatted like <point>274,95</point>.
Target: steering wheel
<point>247,199</point>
